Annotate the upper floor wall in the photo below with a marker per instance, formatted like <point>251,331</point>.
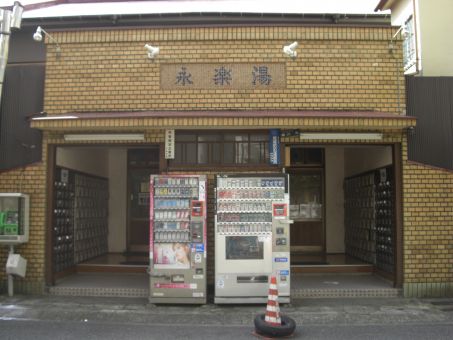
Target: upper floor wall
<point>428,23</point>
<point>436,25</point>
<point>337,68</point>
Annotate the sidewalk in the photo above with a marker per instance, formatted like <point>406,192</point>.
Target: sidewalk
<point>305,312</point>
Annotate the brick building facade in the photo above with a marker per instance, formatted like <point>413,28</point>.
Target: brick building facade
<point>343,80</point>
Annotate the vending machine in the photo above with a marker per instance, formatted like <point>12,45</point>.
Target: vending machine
<point>251,237</point>
<point>178,239</point>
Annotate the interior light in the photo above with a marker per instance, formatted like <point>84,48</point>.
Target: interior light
<point>105,137</point>
<point>340,136</point>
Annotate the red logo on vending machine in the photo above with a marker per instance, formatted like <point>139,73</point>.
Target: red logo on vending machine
<point>279,209</point>
<point>197,208</point>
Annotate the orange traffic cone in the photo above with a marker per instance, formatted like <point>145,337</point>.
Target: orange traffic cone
<point>272,309</point>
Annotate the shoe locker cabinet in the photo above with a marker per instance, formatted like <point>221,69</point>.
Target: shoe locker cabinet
<point>80,218</point>
<point>369,218</point>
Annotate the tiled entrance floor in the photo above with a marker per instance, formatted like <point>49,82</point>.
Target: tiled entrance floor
<point>302,285</point>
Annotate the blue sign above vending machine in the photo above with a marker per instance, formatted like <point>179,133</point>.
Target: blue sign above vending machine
<point>274,146</point>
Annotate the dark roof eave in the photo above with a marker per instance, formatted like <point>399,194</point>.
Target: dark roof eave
<point>381,5</point>
<point>211,19</point>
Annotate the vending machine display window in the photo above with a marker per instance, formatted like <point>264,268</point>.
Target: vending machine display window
<point>244,248</point>
<point>14,218</point>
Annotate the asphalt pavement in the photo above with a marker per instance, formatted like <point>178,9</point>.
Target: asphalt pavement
<point>54,317</point>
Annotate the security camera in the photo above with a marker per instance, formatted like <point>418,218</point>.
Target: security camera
<point>290,49</point>
<point>152,51</point>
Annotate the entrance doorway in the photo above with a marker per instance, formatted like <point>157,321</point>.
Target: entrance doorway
<point>343,203</point>
<point>100,209</point>
<point>308,243</point>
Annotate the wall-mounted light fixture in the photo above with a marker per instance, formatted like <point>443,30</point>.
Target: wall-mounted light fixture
<point>37,36</point>
<point>105,137</point>
<point>340,136</point>
<point>290,49</point>
<point>404,33</point>
<point>153,51</point>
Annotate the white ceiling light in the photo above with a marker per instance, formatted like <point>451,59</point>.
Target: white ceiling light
<point>340,136</point>
<point>105,137</point>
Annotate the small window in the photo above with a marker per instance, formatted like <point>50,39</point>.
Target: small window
<point>208,148</point>
<point>409,55</point>
<point>302,156</point>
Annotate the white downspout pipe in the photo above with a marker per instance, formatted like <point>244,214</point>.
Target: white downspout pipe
<point>8,20</point>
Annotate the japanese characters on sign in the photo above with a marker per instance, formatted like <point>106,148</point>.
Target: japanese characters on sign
<point>223,76</point>
<point>169,144</point>
<point>274,146</point>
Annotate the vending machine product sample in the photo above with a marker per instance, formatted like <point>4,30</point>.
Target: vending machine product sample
<point>178,239</point>
<point>251,237</point>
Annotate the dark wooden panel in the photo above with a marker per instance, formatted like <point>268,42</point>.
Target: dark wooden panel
<point>307,234</point>
<point>22,95</point>
<point>23,49</point>
<point>430,100</point>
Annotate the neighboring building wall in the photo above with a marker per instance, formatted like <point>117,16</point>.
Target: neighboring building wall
<point>338,68</point>
<point>436,25</point>
<point>433,25</point>
<point>401,10</point>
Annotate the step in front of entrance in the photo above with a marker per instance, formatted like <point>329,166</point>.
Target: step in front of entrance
<point>345,293</point>
<point>99,292</point>
<point>295,293</point>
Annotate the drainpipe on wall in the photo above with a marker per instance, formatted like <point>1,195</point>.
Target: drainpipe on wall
<point>8,20</point>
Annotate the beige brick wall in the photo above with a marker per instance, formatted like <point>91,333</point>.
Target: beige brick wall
<point>337,68</point>
<point>30,180</point>
<point>428,230</point>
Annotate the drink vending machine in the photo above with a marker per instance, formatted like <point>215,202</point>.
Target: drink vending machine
<point>178,239</point>
<point>251,237</point>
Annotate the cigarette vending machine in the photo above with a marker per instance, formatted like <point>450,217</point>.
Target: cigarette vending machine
<point>178,239</point>
<point>251,237</point>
